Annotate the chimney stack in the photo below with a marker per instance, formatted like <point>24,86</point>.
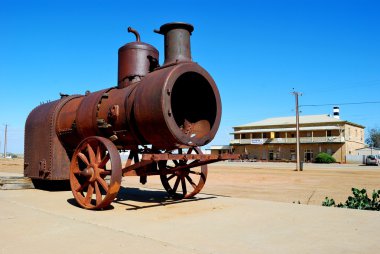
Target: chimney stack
<point>177,42</point>
<point>336,112</point>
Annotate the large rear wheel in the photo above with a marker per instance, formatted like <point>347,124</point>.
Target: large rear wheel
<point>184,183</point>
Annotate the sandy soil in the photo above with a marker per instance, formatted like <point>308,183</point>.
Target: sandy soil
<point>12,165</point>
<point>268,181</point>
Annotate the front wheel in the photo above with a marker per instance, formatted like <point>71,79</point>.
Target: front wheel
<point>88,173</point>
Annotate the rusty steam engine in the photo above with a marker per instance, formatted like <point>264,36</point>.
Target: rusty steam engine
<point>161,115</point>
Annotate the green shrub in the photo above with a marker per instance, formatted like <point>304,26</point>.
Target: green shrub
<point>324,158</point>
<point>360,200</point>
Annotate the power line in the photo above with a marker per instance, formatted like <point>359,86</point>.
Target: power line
<point>348,85</point>
<point>346,103</point>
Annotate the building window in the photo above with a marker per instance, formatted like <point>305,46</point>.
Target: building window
<point>329,133</point>
<point>277,135</point>
<point>292,135</point>
<point>243,136</point>
<point>329,151</point>
<point>308,134</point>
<point>264,135</point>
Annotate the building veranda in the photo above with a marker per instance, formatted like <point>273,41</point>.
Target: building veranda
<point>274,139</point>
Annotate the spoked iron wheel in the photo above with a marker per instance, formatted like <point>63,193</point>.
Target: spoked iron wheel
<point>184,183</point>
<point>89,173</point>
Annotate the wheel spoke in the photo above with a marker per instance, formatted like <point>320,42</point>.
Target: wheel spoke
<point>98,194</point>
<point>190,150</point>
<point>91,154</point>
<point>104,172</point>
<point>171,177</point>
<point>98,154</point>
<point>175,187</point>
<point>102,183</point>
<point>81,187</point>
<point>191,181</point>
<point>76,170</point>
<point>184,186</point>
<point>129,160</point>
<point>136,157</point>
<point>90,191</point>
<point>83,158</point>
<point>194,172</point>
<point>103,163</point>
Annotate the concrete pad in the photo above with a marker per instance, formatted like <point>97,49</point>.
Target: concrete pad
<point>15,183</point>
<point>146,221</point>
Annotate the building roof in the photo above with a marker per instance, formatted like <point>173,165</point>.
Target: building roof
<point>312,128</point>
<point>369,148</point>
<point>220,147</point>
<point>291,120</point>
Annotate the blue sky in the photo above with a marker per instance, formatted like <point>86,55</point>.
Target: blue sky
<point>257,52</point>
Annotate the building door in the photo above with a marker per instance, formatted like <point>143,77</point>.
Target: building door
<point>271,155</point>
<point>308,155</point>
<point>292,154</point>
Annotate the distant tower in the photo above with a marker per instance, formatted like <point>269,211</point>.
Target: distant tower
<point>336,112</point>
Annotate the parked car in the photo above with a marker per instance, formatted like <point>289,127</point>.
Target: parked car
<point>372,160</point>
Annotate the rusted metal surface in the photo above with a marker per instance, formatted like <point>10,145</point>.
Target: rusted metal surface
<point>168,101</point>
<point>169,156</point>
<point>88,171</point>
<point>65,126</point>
<point>154,112</point>
<point>177,42</point>
<point>45,157</point>
<point>86,120</point>
<point>136,59</point>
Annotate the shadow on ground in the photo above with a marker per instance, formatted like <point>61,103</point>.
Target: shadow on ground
<point>51,185</point>
<point>149,198</point>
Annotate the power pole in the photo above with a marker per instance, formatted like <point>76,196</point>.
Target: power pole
<point>5,141</point>
<point>298,163</point>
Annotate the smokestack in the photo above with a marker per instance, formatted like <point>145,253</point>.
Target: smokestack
<point>177,42</point>
<point>336,112</point>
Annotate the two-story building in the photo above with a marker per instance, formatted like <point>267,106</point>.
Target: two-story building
<point>275,138</point>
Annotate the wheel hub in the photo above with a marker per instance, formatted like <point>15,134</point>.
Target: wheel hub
<point>182,172</point>
<point>90,173</point>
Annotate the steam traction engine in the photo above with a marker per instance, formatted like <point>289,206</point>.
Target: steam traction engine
<point>161,115</point>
